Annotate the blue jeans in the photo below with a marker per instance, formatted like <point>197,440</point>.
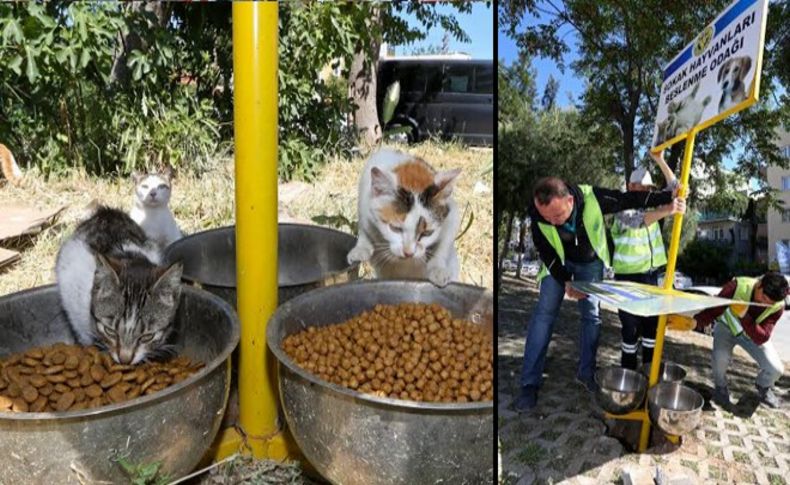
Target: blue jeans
<point>541,325</point>
<point>765,355</point>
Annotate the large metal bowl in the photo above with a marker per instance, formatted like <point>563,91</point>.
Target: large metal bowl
<point>620,390</point>
<point>674,408</point>
<point>668,372</point>
<point>354,438</point>
<point>175,426</point>
<point>308,257</point>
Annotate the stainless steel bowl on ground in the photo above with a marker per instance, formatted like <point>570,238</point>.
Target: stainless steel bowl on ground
<point>354,438</point>
<point>175,426</point>
<point>620,390</point>
<point>308,257</point>
<point>668,372</point>
<point>674,408</point>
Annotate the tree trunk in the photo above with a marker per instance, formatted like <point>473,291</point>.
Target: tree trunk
<point>522,236</point>
<point>125,44</point>
<point>362,87</point>
<point>628,148</point>
<point>508,235</point>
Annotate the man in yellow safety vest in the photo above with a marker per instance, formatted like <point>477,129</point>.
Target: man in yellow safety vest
<point>569,233</point>
<point>639,256</point>
<point>750,327</point>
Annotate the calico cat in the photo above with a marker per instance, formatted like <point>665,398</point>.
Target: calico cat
<point>8,165</point>
<point>407,219</point>
<point>150,207</point>
<point>113,289</point>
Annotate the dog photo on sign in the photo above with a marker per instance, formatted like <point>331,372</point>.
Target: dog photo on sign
<point>732,80</point>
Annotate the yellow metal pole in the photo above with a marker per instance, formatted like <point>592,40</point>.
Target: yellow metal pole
<point>255,130</point>
<point>669,279</point>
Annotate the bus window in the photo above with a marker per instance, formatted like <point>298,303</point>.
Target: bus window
<point>457,79</point>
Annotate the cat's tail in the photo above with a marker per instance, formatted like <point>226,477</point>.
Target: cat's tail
<point>10,169</point>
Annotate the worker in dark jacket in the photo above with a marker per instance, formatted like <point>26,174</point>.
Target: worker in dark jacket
<point>750,327</point>
<point>569,233</point>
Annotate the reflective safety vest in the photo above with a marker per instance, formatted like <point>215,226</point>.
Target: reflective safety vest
<point>744,287</point>
<point>637,250</point>
<point>593,225</point>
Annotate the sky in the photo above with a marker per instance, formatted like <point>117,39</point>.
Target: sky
<point>478,25</point>
<point>571,87</point>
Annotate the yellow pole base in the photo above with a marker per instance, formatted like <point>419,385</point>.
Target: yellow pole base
<point>638,415</point>
<point>279,446</point>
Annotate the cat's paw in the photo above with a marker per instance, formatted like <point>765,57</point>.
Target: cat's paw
<point>439,276</point>
<point>359,254</point>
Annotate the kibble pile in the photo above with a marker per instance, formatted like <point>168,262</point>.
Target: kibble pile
<point>407,351</point>
<point>71,377</point>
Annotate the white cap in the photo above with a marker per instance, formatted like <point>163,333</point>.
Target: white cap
<point>641,176</point>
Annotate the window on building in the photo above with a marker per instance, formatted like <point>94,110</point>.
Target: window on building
<point>786,215</point>
<point>786,151</point>
<point>785,182</point>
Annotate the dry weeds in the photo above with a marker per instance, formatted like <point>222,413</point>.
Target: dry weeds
<point>205,201</point>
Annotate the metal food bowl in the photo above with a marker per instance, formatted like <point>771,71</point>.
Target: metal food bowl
<point>620,390</point>
<point>354,438</point>
<point>668,372</point>
<point>175,426</point>
<point>674,408</point>
<point>308,257</point>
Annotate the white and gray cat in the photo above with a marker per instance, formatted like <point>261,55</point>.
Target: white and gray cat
<point>150,207</point>
<point>407,219</point>
<point>114,290</point>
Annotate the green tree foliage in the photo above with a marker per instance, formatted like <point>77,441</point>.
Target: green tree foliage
<point>114,86</point>
<point>549,99</point>
<point>705,260</point>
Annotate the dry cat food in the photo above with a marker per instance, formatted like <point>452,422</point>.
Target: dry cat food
<point>71,377</point>
<point>406,351</point>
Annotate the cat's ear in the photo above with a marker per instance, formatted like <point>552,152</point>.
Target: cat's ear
<point>168,173</point>
<point>380,182</point>
<point>167,288</point>
<point>137,177</point>
<point>106,280</point>
<point>445,181</point>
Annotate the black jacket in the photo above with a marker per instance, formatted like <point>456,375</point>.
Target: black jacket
<point>577,246</point>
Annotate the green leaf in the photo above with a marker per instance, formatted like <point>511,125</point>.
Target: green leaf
<point>15,65</point>
<point>32,69</point>
<point>468,224</point>
<point>12,31</point>
<point>85,58</point>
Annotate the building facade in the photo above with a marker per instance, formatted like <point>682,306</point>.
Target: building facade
<point>779,220</point>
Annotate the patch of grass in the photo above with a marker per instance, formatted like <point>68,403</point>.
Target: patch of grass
<point>144,474</point>
<point>575,441</point>
<point>561,422</point>
<point>715,473</point>
<point>776,479</point>
<point>690,464</point>
<point>713,451</point>
<point>735,440</point>
<point>532,454</point>
<point>550,435</point>
<point>741,457</point>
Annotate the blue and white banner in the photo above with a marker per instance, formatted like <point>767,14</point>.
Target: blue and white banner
<point>715,75</point>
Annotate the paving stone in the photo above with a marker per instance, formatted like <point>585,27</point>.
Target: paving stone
<point>564,440</point>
